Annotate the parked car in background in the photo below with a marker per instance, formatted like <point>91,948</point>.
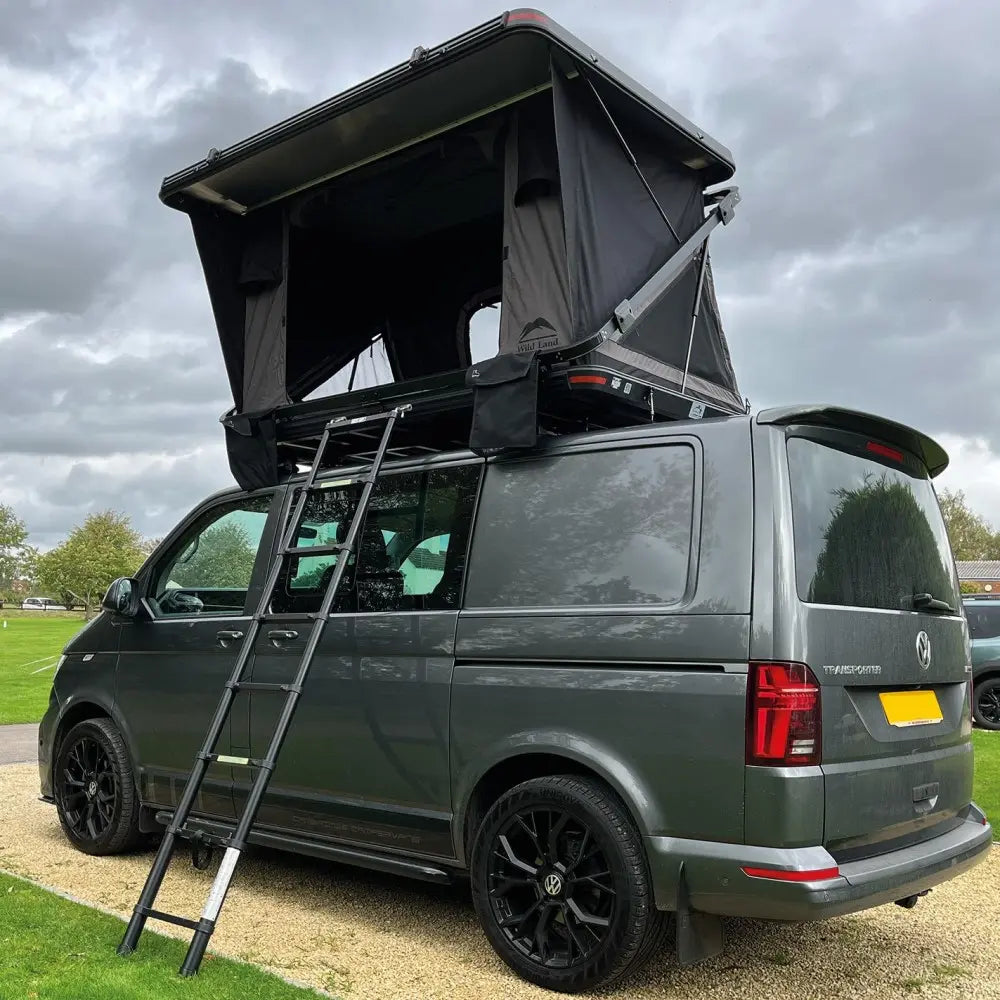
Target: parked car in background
<point>983,616</point>
<point>41,604</point>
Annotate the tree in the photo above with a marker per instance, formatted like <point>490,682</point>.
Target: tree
<point>103,548</point>
<point>878,548</point>
<point>224,557</point>
<point>971,536</point>
<point>17,558</point>
<point>148,545</point>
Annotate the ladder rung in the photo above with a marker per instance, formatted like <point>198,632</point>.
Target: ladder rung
<point>196,832</point>
<point>316,550</point>
<point>368,418</point>
<point>263,686</point>
<point>288,617</point>
<point>225,758</point>
<point>169,918</point>
<point>331,484</point>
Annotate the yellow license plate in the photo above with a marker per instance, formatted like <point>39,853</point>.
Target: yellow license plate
<point>911,708</point>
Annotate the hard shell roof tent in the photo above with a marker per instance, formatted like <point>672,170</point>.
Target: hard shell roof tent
<point>511,165</point>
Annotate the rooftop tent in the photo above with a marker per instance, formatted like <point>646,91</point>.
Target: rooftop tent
<point>510,165</point>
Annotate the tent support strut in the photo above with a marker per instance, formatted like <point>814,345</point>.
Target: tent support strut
<point>628,152</point>
<point>694,312</point>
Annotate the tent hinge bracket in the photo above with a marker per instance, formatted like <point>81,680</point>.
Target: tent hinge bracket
<point>624,319</point>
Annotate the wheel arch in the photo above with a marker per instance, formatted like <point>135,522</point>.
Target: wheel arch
<point>80,710</point>
<point>519,761</point>
<point>987,672</point>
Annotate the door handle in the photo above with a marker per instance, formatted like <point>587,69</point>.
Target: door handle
<point>277,635</point>
<point>227,635</point>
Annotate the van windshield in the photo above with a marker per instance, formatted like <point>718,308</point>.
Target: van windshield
<point>867,534</point>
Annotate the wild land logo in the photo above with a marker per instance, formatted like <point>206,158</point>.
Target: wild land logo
<point>533,337</point>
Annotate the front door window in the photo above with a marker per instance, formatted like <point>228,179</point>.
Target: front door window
<point>208,570</point>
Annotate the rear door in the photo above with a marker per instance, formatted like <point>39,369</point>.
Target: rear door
<point>867,597</point>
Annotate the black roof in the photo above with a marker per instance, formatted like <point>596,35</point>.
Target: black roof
<point>496,64</point>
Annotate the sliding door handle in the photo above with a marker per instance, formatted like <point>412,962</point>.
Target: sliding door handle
<point>278,635</point>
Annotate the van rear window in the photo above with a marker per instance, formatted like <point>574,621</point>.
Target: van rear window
<point>867,534</point>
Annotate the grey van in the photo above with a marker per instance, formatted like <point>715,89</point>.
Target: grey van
<point>630,682</point>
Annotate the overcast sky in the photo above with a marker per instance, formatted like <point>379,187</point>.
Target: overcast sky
<point>862,268</point>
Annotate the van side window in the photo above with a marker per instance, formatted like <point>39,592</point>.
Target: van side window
<point>411,549</point>
<point>208,570</point>
<point>585,530</point>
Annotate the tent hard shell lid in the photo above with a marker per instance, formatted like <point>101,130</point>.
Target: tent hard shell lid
<point>511,165</point>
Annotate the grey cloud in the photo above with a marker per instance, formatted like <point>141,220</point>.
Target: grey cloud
<point>49,263</point>
<point>155,492</point>
<point>34,35</point>
<point>60,401</point>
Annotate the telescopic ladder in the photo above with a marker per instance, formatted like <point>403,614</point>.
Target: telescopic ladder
<point>235,843</point>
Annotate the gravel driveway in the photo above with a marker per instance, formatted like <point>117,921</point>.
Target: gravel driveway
<point>362,935</point>
<point>18,744</point>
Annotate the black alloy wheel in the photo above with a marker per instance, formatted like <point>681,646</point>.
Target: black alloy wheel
<point>561,884</point>
<point>94,789</point>
<point>986,703</point>
<point>550,887</point>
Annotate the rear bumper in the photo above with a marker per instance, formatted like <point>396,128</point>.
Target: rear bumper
<point>715,882</point>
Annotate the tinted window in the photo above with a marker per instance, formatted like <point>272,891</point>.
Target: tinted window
<point>866,534</point>
<point>411,553</point>
<point>984,621</point>
<point>208,570</point>
<point>592,529</point>
<point>423,569</point>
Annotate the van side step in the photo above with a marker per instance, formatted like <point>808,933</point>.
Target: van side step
<point>373,860</point>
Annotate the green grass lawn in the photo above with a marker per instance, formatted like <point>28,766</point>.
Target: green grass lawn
<point>57,950</point>
<point>987,784</point>
<point>29,648</point>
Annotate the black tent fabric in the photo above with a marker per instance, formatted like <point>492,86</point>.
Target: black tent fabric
<point>538,205</point>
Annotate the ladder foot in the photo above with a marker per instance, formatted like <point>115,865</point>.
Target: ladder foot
<point>196,952</point>
<point>130,940</point>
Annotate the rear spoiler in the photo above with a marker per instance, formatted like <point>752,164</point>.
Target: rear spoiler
<point>820,415</point>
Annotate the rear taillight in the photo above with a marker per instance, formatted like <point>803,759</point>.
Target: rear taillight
<point>783,715</point>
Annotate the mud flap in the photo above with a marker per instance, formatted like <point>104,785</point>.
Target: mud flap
<point>699,935</point>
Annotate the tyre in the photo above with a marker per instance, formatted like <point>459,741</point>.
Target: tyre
<point>95,792</point>
<point>986,703</point>
<point>561,885</point>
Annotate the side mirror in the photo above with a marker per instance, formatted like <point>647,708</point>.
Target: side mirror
<point>122,597</point>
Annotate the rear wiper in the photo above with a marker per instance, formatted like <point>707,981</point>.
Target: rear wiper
<point>927,602</point>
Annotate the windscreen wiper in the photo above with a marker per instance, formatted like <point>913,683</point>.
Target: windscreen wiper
<point>927,602</point>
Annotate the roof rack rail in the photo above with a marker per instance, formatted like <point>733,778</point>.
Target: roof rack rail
<point>572,399</point>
